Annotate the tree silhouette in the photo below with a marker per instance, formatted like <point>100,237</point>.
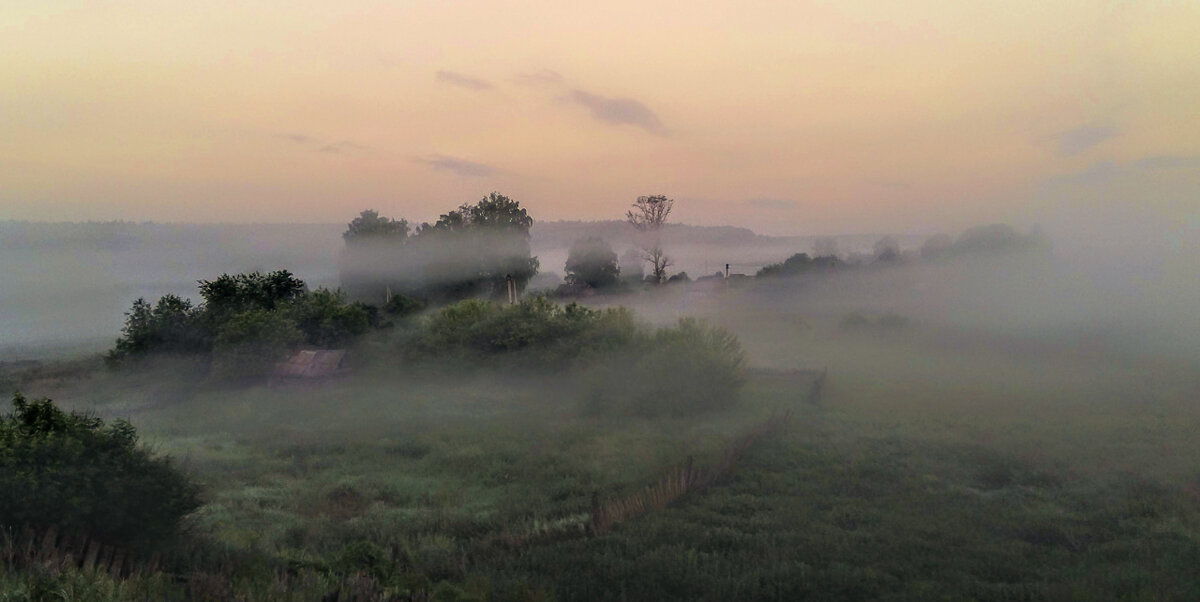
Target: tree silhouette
<point>648,215</point>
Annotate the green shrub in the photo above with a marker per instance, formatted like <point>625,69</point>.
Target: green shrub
<point>328,320</point>
<point>172,325</point>
<point>535,331</point>
<point>402,306</point>
<point>251,343</point>
<point>73,472</point>
<point>687,369</point>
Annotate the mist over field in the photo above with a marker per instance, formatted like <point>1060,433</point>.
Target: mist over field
<point>483,438</point>
<point>65,286</point>
<point>519,301</point>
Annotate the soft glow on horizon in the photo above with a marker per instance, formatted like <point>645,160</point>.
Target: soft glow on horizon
<point>784,117</point>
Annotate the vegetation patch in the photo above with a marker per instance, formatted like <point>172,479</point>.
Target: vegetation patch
<point>74,473</point>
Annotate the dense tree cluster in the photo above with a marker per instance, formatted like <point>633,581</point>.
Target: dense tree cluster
<point>472,251</point>
<point>246,322</point>
<point>979,241</point>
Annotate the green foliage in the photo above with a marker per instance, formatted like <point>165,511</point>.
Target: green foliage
<point>172,325</point>
<point>231,294</point>
<point>248,322</point>
<point>402,306</point>
<point>75,473</point>
<point>535,330</point>
<point>328,320</point>
<point>468,252</point>
<point>592,262</point>
<point>370,227</point>
<point>251,343</point>
<point>493,212</point>
<point>686,369</point>
<point>798,264</point>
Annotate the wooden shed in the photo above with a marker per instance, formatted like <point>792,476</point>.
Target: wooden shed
<point>313,363</point>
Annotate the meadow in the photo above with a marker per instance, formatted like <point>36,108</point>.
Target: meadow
<point>940,462</point>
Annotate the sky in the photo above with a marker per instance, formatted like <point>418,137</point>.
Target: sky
<point>784,117</point>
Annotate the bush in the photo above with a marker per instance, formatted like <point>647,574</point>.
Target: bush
<point>535,331</point>
<point>251,343</point>
<point>73,472</point>
<point>172,325</point>
<point>328,320</point>
<point>401,306</point>
<point>684,370</point>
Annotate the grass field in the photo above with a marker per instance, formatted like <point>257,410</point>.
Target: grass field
<point>931,469</point>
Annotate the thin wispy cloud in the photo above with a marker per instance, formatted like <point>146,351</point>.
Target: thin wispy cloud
<point>1103,172</point>
<point>454,165</point>
<point>1075,141</point>
<point>341,147</point>
<point>463,81</point>
<point>542,77</point>
<point>620,111</point>
<point>323,146</point>
<point>297,138</point>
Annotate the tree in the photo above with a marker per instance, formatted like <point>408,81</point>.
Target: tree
<point>473,251</point>
<point>227,294</point>
<point>72,472</point>
<point>369,226</point>
<point>648,215</point>
<point>591,261</point>
<point>469,251</point>
<point>171,325</point>
<point>328,320</point>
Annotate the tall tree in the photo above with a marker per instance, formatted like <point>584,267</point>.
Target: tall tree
<point>469,251</point>
<point>648,215</point>
<point>592,262</point>
<point>369,226</point>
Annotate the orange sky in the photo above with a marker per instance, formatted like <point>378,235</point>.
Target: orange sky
<point>786,117</point>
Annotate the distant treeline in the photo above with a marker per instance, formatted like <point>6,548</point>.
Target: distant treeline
<point>979,241</point>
